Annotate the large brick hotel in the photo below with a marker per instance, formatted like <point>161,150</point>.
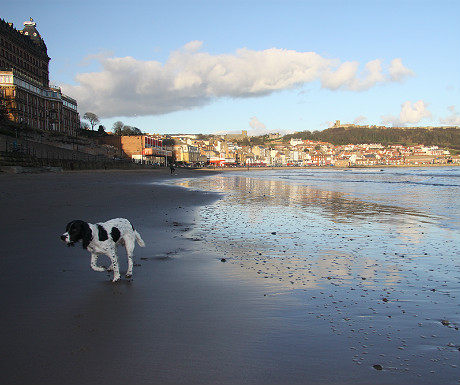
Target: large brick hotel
<point>25,91</point>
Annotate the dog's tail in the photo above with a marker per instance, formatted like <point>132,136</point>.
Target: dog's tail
<point>139,240</point>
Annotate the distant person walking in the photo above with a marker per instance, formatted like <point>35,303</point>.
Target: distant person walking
<point>172,168</point>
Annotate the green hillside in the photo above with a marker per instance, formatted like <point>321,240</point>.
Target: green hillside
<point>442,137</point>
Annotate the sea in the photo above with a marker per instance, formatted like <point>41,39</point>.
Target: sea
<point>371,256</point>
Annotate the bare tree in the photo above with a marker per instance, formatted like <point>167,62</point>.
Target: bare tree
<point>117,127</point>
<point>130,131</point>
<point>92,118</point>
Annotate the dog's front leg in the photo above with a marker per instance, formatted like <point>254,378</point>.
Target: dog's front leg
<point>94,265</point>
<point>115,267</point>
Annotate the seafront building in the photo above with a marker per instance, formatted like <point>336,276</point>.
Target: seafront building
<point>224,151</point>
<point>148,149</point>
<point>220,152</point>
<point>25,91</point>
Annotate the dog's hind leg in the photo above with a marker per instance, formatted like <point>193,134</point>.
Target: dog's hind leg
<point>94,265</point>
<point>130,253</point>
<point>129,272</point>
<point>116,268</point>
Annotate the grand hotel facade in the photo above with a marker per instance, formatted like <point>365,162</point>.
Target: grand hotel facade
<point>25,91</point>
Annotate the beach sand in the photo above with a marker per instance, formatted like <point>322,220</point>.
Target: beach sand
<point>186,318</point>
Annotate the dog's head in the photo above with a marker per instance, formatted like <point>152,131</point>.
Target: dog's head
<point>76,231</point>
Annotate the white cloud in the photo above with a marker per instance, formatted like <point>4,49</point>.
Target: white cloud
<point>193,46</point>
<point>360,119</point>
<point>191,78</point>
<point>389,120</point>
<point>453,119</point>
<point>413,113</point>
<point>257,127</point>
<point>255,123</point>
<point>398,72</point>
<point>98,57</point>
<point>346,75</point>
<point>371,76</point>
<point>341,77</point>
<point>327,124</point>
<point>410,113</point>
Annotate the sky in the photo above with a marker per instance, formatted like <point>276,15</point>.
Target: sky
<point>218,66</point>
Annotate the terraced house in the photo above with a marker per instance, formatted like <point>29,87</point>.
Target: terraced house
<point>25,91</point>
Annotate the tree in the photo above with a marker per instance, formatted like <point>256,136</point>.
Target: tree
<point>84,126</point>
<point>92,118</point>
<point>136,131</point>
<point>245,142</point>
<point>117,128</point>
<point>130,131</point>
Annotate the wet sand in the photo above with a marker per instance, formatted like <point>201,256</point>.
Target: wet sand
<point>379,278</point>
<point>187,317</point>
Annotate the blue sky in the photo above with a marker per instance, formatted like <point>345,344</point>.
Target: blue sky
<point>210,66</point>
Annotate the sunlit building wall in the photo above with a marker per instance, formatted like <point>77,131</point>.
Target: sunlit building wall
<point>25,91</point>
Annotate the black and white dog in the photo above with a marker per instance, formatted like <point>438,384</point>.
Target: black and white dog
<point>103,238</point>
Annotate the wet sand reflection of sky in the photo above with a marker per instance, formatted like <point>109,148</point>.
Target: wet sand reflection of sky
<point>377,278</point>
<point>336,206</point>
<point>329,233</point>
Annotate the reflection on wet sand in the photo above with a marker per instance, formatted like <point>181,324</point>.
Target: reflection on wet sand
<point>380,275</point>
<point>336,206</point>
<point>308,237</point>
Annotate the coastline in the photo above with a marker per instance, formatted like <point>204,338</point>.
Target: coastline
<point>18,169</point>
<point>187,318</point>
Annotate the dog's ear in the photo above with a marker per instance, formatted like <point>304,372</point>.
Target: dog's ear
<point>86,234</point>
<point>69,225</point>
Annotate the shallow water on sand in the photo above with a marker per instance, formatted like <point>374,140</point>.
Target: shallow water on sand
<point>371,255</point>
